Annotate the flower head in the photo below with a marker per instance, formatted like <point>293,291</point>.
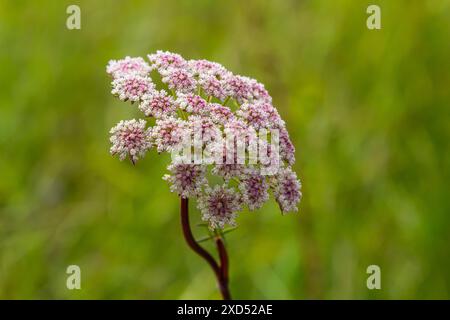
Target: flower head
<point>132,87</point>
<point>186,180</point>
<point>240,138</point>
<point>247,149</point>
<point>204,128</point>
<point>157,104</point>
<point>258,92</point>
<point>220,114</point>
<point>162,60</point>
<point>192,103</point>
<point>219,206</point>
<point>179,79</point>
<point>236,127</point>
<point>208,68</point>
<point>254,115</point>
<point>287,149</point>
<point>254,190</point>
<point>286,188</point>
<point>130,138</point>
<point>119,68</point>
<point>168,133</point>
<point>238,87</point>
<point>273,116</point>
<point>212,86</point>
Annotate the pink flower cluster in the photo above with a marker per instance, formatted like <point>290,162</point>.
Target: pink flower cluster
<point>203,98</point>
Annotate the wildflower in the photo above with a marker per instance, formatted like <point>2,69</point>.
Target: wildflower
<point>269,157</point>
<point>212,86</point>
<point>259,92</point>
<point>240,135</point>
<point>180,80</point>
<point>254,190</point>
<point>254,115</point>
<point>132,87</point>
<point>208,68</point>
<point>286,189</point>
<point>238,87</point>
<point>168,133</point>
<point>130,138</point>
<point>220,114</point>
<point>219,205</point>
<point>157,104</point>
<point>237,128</point>
<point>192,103</point>
<point>204,128</point>
<point>119,68</point>
<point>162,60</point>
<point>186,179</point>
<point>273,117</point>
<point>287,149</point>
<point>249,149</point>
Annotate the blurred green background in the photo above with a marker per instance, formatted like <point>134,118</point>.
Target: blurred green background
<point>368,112</point>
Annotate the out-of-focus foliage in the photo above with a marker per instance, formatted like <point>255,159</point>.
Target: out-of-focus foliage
<point>367,111</point>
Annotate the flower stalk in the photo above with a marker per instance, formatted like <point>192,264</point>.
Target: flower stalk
<point>220,270</point>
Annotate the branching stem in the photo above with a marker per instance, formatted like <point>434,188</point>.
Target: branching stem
<point>220,270</point>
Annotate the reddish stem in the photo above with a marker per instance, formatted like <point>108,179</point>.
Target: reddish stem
<point>221,271</point>
<point>223,263</point>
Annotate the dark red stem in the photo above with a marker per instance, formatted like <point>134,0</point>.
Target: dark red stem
<point>223,255</point>
<point>221,271</point>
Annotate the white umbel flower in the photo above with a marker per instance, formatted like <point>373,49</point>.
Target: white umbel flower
<point>287,190</point>
<point>130,138</point>
<point>128,65</point>
<point>219,206</point>
<point>186,179</point>
<point>157,104</point>
<point>132,87</point>
<point>254,190</point>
